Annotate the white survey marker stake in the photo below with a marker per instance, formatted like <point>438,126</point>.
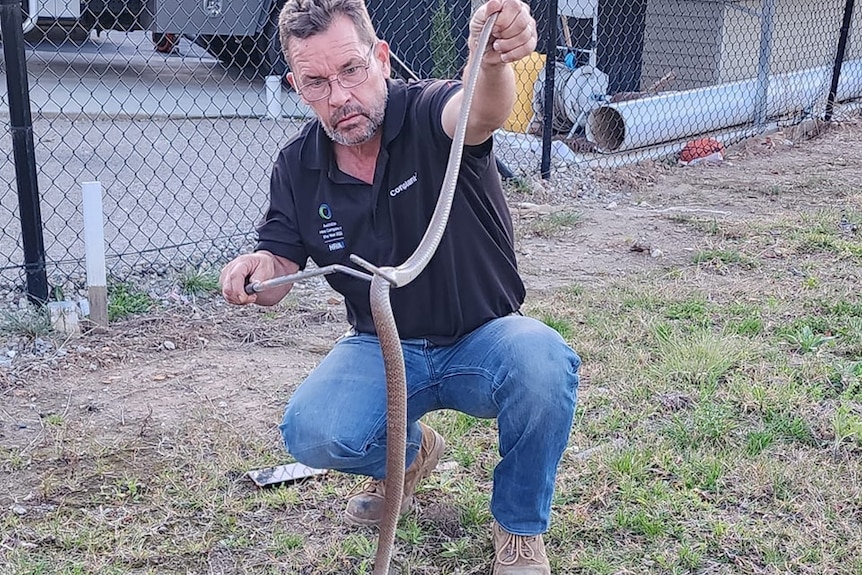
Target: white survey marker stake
<point>273,97</point>
<point>94,246</point>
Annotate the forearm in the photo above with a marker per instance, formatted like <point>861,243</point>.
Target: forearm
<point>493,98</point>
<point>512,38</point>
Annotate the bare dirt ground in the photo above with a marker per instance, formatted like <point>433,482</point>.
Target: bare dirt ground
<point>150,380</point>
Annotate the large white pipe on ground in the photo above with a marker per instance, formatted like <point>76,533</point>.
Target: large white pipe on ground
<point>667,117</point>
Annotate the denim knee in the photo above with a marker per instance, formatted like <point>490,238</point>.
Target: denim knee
<point>540,371</point>
<point>313,443</point>
<point>350,445</point>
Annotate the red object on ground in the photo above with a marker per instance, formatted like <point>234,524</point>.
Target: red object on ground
<point>700,149</point>
<point>165,43</point>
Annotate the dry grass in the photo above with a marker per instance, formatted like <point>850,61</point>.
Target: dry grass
<point>719,426</point>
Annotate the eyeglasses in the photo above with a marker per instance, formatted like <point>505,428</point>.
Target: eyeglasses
<point>321,88</point>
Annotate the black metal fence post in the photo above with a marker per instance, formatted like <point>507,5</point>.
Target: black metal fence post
<point>839,59</point>
<point>550,69</point>
<point>152,120</point>
<point>21,124</point>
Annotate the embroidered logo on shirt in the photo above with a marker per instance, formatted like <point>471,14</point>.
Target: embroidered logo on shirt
<point>404,185</point>
<point>331,231</point>
<point>332,235</point>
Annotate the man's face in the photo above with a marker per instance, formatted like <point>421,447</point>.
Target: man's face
<point>351,116</point>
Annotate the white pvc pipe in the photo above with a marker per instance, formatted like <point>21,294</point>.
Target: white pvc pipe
<point>94,233</point>
<point>668,117</point>
<point>273,97</point>
<point>94,246</point>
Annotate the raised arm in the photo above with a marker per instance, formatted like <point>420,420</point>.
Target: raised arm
<point>513,38</point>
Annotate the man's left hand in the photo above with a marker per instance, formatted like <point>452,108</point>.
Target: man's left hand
<point>514,34</point>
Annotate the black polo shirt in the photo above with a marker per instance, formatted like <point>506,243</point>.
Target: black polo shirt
<point>320,212</point>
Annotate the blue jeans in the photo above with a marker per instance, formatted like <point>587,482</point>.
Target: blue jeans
<point>514,368</point>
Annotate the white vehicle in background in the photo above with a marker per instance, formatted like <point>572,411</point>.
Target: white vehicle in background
<point>238,32</point>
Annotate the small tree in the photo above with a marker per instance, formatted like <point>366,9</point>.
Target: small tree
<point>443,53</point>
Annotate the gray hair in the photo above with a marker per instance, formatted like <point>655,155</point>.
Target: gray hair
<point>304,18</point>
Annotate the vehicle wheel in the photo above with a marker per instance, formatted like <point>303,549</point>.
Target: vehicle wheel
<point>257,56</point>
<point>123,15</point>
<point>264,50</point>
<point>215,45</point>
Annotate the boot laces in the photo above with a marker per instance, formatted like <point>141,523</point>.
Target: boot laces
<point>515,548</point>
<point>372,486</point>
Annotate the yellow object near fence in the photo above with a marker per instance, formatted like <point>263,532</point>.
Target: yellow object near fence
<point>526,72</point>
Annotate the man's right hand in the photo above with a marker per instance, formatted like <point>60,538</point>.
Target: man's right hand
<point>255,267</point>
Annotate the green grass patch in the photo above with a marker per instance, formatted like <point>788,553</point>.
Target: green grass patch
<point>830,231</point>
<point>125,299</point>
<point>561,325</point>
<point>695,310</point>
<point>711,424</point>
<point>699,359</point>
<point>746,327</point>
<point>31,322</point>
<point>818,241</point>
<point>758,441</point>
<point>847,423</point>
<point>842,307</point>
<point>723,257</point>
<point>199,282</point>
<point>709,226</point>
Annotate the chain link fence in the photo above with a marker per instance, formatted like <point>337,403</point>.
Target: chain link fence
<point>179,108</point>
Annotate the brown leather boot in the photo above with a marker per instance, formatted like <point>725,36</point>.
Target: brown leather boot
<point>518,554</point>
<point>366,508</point>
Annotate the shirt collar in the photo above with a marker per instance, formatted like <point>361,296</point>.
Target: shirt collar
<point>316,146</point>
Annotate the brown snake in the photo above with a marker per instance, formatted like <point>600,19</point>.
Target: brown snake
<point>384,321</point>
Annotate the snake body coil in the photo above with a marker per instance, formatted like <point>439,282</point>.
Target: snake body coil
<point>384,320</point>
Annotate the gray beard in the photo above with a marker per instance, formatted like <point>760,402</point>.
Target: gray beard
<point>374,116</point>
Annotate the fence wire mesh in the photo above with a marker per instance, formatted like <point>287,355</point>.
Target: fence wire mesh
<point>180,108</point>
